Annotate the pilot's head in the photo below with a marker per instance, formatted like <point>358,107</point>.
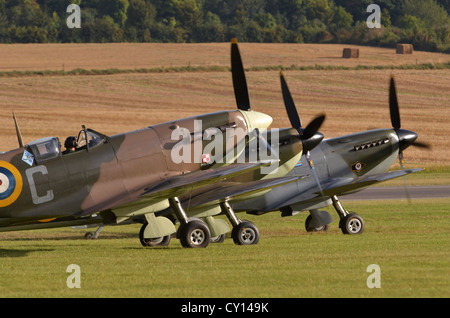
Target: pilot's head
<point>71,142</point>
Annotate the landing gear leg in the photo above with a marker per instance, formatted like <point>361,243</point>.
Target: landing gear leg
<point>192,232</point>
<point>244,232</point>
<point>350,223</point>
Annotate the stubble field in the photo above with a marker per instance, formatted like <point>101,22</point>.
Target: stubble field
<point>353,99</point>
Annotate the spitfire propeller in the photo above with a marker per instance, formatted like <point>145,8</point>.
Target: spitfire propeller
<point>406,138</point>
<point>255,119</point>
<point>310,135</point>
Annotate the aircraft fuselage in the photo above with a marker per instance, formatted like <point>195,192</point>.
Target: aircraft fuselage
<point>346,157</point>
<point>38,182</point>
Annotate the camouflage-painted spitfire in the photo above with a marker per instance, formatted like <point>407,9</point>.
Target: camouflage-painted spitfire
<point>336,166</point>
<point>131,176</point>
<point>342,165</point>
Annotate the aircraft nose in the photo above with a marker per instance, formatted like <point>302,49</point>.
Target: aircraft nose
<point>406,138</point>
<point>256,119</point>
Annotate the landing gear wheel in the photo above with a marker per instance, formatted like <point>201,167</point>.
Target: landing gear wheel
<point>218,239</point>
<point>245,233</point>
<point>309,228</point>
<point>158,241</point>
<point>194,234</point>
<point>352,224</point>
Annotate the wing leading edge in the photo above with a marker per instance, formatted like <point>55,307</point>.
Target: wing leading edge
<point>235,191</point>
<point>343,186</point>
<point>181,184</point>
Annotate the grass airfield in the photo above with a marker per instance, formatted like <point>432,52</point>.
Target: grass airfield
<point>409,242</point>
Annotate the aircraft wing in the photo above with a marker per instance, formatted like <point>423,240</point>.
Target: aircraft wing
<point>238,191</point>
<point>345,185</point>
<point>154,198</point>
<point>181,184</point>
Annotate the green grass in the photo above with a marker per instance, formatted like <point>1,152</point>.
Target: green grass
<point>410,243</point>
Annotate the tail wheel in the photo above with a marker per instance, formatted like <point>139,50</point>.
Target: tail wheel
<point>245,233</point>
<point>352,224</point>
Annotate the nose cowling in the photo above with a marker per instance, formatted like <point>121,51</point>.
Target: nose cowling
<point>256,120</point>
<point>406,138</point>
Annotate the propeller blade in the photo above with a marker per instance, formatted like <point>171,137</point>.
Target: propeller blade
<point>408,195</point>
<point>290,105</point>
<point>238,75</point>
<point>313,127</point>
<point>306,134</point>
<point>406,138</point>
<point>393,105</point>
<point>294,118</point>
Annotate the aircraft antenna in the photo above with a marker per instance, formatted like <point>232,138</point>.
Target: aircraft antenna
<point>19,135</point>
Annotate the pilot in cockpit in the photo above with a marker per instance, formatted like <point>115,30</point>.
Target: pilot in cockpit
<point>70,144</point>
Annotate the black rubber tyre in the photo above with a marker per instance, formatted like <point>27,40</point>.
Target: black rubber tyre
<point>159,241</point>
<point>308,228</point>
<point>352,224</point>
<point>245,233</point>
<point>218,239</point>
<point>194,234</point>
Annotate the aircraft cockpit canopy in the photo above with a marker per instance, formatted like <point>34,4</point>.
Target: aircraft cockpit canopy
<point>45,148</point>
<point>93,138</point>
<point>49,147</point>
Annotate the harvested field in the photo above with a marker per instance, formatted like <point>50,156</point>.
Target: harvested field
<point>20,57</point>
<point>353,100</point>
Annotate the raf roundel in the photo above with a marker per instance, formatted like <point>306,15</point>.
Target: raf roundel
<point>10,183</point>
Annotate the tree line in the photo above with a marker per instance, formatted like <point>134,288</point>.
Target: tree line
<point>423,23</point>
